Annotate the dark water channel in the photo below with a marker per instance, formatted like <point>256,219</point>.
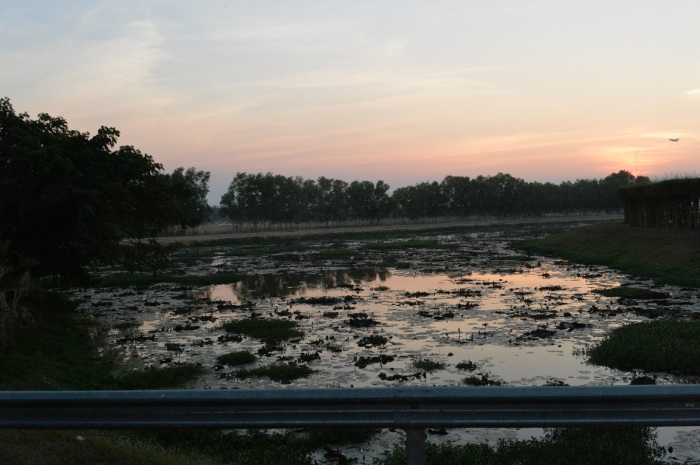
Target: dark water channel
<point>477,306</point>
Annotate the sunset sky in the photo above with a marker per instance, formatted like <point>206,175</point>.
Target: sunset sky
<point>402,91</point>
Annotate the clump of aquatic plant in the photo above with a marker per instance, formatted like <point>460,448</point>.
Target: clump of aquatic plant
<point>242,357</point>
<point>372,341</point>
<point>322,300</point>
<point>382,359</point>
<point>159,378</point>
<point>550,288</point>
<point>480,380</point>
<point>555,383</point>
<point>261,328</point>
<point>468,365</point>
<point>283,373</point>
<point>426,364</point>
<point>127,325</point>
<point>642,380</point>
<point>668,346</point>
<point>306,357</point>
<point>335,348</point>
<point>629,292</point>
<point>361,320</point>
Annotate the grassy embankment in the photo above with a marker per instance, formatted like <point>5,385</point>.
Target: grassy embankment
<point>669,256</point>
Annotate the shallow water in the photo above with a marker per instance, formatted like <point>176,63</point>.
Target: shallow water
<point>518,320</point>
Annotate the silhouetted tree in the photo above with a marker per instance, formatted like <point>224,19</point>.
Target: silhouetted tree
<point>69,198</point>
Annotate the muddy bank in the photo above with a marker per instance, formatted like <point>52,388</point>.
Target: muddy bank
<point>212,234</point>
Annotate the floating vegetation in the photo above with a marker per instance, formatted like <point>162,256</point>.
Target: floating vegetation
<point>399,377</point>
<point>372,341</point>
<point>464,292</point>
<point>382,359</point>
<point>335,348</point>
<point>270,347</point>
<point>261,328</point>
<point>322,300</point>
<point>361,320</point>
<point>427,365</point>
<point>380,288</point>
<point>306,357</point>
<point>550,288</point>
<point>283,373</point>
<point>480,380</point>
<point>570,325</point>
<point>468,365</point>
<point>159,378</point>
<point>229,338</point>
<point>330,314</point>
<point>633,293</point>
<point>413,295</point>
<point>127,325</point>
<point>539,333</point>
<point>242,357</point>
<point>555,383</point>
<point>136,337</point>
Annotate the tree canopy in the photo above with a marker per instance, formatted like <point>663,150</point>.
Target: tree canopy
<point>69,198</point>
<point>276,199</point>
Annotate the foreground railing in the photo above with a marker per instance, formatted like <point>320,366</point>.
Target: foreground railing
<point>412,409</point>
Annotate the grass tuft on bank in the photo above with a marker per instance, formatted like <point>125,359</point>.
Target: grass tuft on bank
<point>655,346</point>
<point>670,256</point>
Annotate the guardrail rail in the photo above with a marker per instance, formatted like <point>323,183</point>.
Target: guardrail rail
<point>412,409</point>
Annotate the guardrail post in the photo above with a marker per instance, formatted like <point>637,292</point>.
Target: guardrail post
<point>415,446</point>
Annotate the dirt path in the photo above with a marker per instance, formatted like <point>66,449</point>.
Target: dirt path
<point>389,228</point>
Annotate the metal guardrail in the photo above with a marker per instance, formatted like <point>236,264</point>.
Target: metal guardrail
<point>412,409</point>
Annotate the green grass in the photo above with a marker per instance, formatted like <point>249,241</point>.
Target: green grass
<point>656,346</point>
<point>624,446</point>
<point>177,376</point>
<point>39,447</point>
<point>632,293</point>
<point>670,256</point>
<point>242,357</point>
<point>283,373</point>
<point>261,328</point>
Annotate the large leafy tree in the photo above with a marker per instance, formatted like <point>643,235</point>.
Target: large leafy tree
<point>69,198</point>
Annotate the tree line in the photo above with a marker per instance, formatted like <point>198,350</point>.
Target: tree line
<point>70,199</point>
<point>275,199</point>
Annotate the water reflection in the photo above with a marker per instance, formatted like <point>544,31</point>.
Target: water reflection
<point>295,285</point>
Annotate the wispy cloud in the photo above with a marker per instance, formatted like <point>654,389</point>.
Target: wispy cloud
<point>693,93</point>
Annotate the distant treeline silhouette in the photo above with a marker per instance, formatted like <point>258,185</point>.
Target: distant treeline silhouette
<point>276,199</point>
